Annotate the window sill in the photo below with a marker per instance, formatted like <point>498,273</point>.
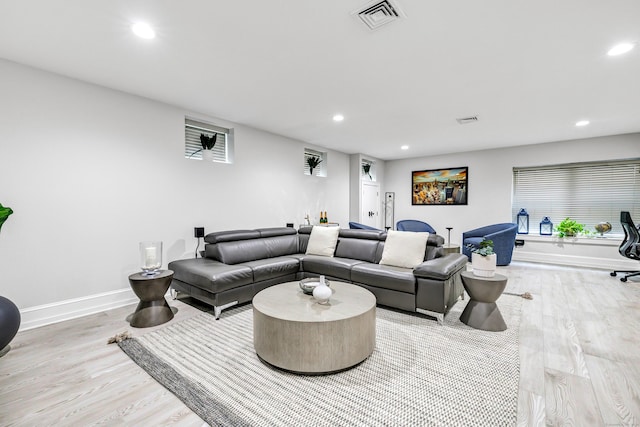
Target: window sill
<point>612,240</point>
<point>582,251</point>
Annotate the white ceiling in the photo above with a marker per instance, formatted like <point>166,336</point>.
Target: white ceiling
<point>529,70</point>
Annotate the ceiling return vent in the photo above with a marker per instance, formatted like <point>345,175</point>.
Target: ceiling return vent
<point>378,13</point>
<point>467,120</point>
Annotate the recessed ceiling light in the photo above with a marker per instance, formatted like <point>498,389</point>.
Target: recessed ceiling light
<point>404,147</point>
<point>338,118</point>
<point>143,30</point>
<point>582,123</point>
<point>619,49</point>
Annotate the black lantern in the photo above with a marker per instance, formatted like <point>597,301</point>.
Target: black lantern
<point>546,227</point>
<point>523,222</point>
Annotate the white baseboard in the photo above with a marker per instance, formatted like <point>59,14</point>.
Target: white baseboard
<point>41,315</point>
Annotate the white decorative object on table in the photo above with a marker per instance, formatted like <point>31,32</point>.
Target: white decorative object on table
<point>322,292</point>
<point>484,266</point>
<point>309,284</point>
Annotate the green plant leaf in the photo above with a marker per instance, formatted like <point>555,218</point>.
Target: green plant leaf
<point>569,227</point>
<point>486,248</point>
<point>4,214</point>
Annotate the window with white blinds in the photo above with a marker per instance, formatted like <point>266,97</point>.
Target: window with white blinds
<point>586,192</point>
<point>321,170</point>
<point>192,147</point>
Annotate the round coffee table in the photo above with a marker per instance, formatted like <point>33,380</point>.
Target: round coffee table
<point>481,311</point>
<point>291,331</point>
<point>153,308</point>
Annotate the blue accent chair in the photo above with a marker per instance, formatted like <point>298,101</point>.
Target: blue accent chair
<point>414,225</point>
<point>358,226</point>
<point>503,236</point>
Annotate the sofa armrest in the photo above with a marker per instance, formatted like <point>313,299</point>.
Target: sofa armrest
<point>440,268</point>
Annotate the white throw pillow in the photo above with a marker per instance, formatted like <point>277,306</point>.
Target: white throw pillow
<point>404,248</point>
<point>323,241</point>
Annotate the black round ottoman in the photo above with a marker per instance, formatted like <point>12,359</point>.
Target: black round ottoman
<point>9,323</point>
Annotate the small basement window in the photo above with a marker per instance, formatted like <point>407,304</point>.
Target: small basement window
<point>192,146</point>
<point>319,158</point>
<point>368,170</point>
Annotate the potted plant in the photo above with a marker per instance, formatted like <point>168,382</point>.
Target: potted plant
<point>483,259</point>
<point>4,214</point>
<point>313,162</point>
<point>366,168</point>
<point>569,228</point>
<point>208,142</point>
<point>9,313</point>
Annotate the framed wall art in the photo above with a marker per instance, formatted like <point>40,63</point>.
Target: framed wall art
<point>440,186</point>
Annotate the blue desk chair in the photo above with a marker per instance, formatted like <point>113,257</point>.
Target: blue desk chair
<point>503,236</point>
<point>414,225</point>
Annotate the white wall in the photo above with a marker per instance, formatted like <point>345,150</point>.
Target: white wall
<point>90,172</point>
<point>490,178</point>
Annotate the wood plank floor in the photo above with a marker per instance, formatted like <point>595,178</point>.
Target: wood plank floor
<point>579,354</point>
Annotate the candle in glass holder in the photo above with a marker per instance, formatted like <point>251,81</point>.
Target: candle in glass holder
<point>150,257</point>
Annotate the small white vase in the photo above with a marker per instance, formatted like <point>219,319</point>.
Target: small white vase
<point>207,155</point>
<point>322,292</point>
<point>483,266</point>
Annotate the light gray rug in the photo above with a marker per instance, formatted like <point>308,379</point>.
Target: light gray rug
<point>420,374</point>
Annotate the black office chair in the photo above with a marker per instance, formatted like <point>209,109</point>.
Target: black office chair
<point>630,247</point>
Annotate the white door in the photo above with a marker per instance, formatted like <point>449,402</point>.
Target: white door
<point>370,204</point>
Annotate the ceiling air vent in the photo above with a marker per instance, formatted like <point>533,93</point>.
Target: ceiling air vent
<point>466,120</point>
<point>378,13</point>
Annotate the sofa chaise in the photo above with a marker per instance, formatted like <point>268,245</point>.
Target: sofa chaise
<point>237,264</point>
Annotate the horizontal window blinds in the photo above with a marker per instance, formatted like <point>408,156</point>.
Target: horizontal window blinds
<point>193,148</point>
<point>588,193</point>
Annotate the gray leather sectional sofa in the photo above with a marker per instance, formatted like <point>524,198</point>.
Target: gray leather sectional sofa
<point>238,264</point>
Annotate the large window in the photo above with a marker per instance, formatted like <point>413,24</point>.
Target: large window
<point>586,192</point>
<point>193,147</point>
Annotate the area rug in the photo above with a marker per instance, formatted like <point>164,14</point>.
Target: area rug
<point>420,373</point>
